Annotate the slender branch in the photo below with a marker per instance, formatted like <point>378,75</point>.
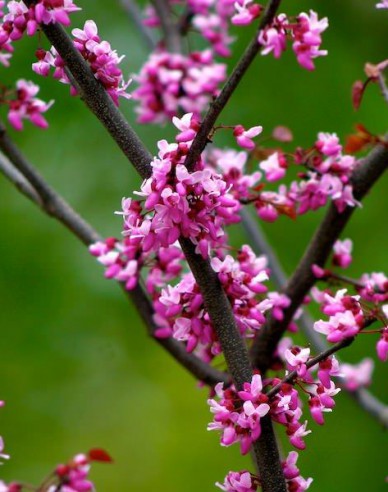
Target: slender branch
<point>55,206</point>
<point>230,86</point>
<point>170,28</point>
<point>371,168</point>
<point>13,175</point>
<point>135,15</point>
<point>311,363</point>
<point>366,400</point>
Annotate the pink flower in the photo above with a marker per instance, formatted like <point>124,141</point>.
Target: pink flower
<point>307,38</point>
<point>357,375</point>
<point>273,39</point>
<point>340,326</point>
<point>296,359</point>
<point>238,482</point>
<point>382,346</point>
<point>244,137</point>
<point>382,5</point>
<point>274,167</point>
<point>328,144</point>
<point>342,253</point>
<point>245,13</point>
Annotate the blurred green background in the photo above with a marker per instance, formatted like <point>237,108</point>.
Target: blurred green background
<point>78,370</point>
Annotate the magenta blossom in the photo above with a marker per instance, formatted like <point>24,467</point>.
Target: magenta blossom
<point>244,137</point>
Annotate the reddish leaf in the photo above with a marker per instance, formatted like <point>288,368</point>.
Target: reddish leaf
<point>97,454</point>
<point>354,143</point>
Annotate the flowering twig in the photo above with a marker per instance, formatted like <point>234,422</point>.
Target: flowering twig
<point>25,177</point>
<point>230,86</point>
<point>369,170</point>
<point>311,363</point>
<point>97,99</point>
<point>135,15</point>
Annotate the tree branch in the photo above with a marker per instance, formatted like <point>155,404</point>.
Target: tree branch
<point>169,27</point>
<point>266,452</point>
<point>230,86</point>
<point>369,170</point>
<point>21,171</point>
<point>364,398</point>
<point>135,15</point>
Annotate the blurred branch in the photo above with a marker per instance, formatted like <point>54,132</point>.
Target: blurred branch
<point>317,252</point>
<point>134,13</point>
<point>383,86</point>
<point>25,177</point>
<point>259,242</point>
<point>170,29</point>
<point>13,175</point>
<point>230,86</point>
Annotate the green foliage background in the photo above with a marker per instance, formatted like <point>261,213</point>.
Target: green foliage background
<point>77,369</point>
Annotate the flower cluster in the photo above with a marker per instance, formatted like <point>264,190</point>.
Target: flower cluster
<point>246,482</point>
<point>305,32</point>
<point>237,414</point>
<point>246,12</point>
<point>170,83</point>
<point>103,61</point>
<point>21,19</point>
<point>24,105</point>
<point>346,317</point>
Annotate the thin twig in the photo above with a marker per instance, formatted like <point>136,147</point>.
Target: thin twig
<point>365,399</point>
<point>55,206</point>
<point>134,14</point>
<point>230,86</point>
<point>317,252</point>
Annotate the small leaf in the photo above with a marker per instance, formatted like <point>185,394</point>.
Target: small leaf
<point>98,454</point>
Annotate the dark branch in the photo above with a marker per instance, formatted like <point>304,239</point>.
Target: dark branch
<point>369,170</point>
<point>218,105</point>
